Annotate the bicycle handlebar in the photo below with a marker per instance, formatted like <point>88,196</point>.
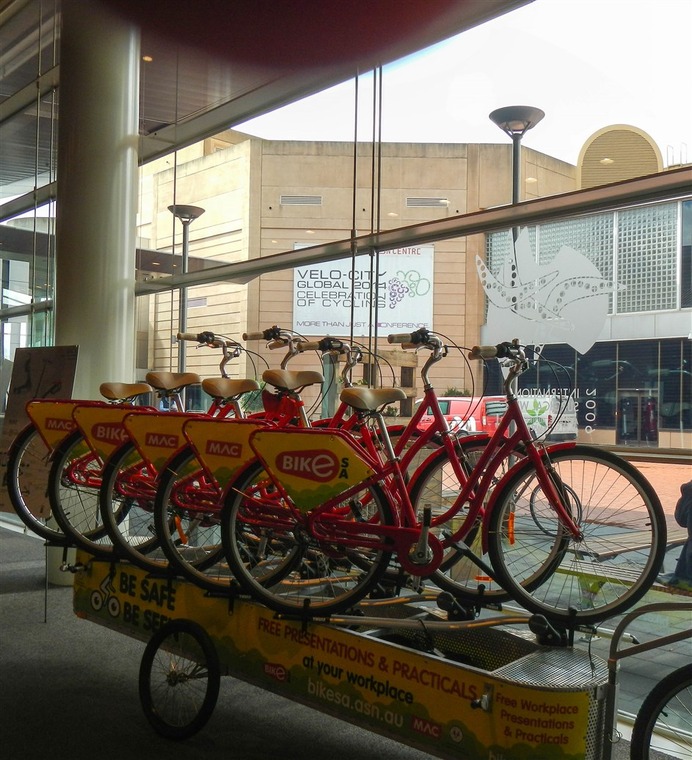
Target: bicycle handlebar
<point>399,338</point>
<point>309,345</point>
<point>276,344</point>
<point>417,338</point>
<point>324,345</point>
<point>500,351</point>
<point>207,338</point>
<point>271,333</point>
<point>483,352</point>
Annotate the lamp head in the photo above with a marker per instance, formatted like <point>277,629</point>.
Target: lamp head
<point>186,214</point>
<point>516,120</point>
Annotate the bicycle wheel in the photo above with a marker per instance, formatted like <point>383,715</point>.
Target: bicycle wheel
<point>73,491</point>
<point>278,563</point>
<point>584,581</point>
<point>664,721</point>
<point>438,485</point>
<point>26,478</point>
<point>179,679</point>
<point>187,517</point>
<point>126,503</point>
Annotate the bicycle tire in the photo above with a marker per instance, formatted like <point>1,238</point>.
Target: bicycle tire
<point>187,518</point>
<point>126,499</point>
<point>73,492</point>
<point>583,582</point>
<point>294,573</point>
<point>664,720</point>
<point>179,679</point>
<point>26,478</point>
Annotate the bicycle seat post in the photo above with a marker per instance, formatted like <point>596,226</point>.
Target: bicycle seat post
<point>291,343</point>
<point>174,399</point>
<point>384,435</point>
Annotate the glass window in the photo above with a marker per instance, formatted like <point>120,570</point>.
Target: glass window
<point>556,370</point>
<point>495,408</point>
<point>29,40</point>
<point>647,251</point>
<point>27,247</point>
<point>596,387</point>
<point>592,236</point>
<point>686,256</point>
<point>675,385</point>
<point>31,134</point>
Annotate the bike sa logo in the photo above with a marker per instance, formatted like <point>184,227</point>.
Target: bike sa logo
<point>319,464</point>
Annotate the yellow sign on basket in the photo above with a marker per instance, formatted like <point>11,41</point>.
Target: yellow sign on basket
<point>157,436</point>
<point>102,427</point>
<point>53,419</point>
<point>313,465</point>
<point>221,445</point>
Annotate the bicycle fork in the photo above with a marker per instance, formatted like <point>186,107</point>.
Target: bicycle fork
<point>549,480</point>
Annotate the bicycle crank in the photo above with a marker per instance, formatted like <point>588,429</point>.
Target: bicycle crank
<point>425,556</point>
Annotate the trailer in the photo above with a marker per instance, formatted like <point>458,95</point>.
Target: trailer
<point>451,684</point>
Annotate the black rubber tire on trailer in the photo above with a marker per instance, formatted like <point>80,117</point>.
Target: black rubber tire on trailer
<point>665,714</point>
<point>179,679</point>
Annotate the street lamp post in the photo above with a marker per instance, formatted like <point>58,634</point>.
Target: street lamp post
<point>187,215</point>
<point>516,121</point>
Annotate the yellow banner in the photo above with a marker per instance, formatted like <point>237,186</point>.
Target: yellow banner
<point>313,465</point>
<point>419,698</point>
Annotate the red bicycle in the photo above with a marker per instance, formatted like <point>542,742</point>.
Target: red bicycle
<point>328,535</point>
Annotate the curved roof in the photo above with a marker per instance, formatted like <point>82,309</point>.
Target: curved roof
<point>617,153</point>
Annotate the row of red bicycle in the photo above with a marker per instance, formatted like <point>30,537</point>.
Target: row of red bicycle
<point>312,516</point>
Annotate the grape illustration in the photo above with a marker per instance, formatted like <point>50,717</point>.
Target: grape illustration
<point>397,290</point>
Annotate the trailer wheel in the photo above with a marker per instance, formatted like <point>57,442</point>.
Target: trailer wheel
<point>179,679</point>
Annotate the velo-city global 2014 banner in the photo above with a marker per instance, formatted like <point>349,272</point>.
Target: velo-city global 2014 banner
<point>333,298</point>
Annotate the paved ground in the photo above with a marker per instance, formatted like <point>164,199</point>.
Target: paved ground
<point>666,479</point>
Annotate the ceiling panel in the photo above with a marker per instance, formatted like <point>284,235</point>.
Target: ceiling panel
<point>217,63</point>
